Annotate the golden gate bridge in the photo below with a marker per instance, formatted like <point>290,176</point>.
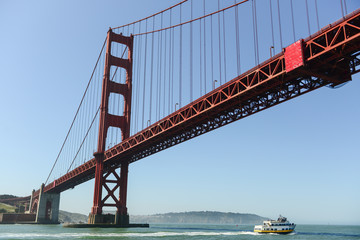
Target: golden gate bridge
<point>178,74</point>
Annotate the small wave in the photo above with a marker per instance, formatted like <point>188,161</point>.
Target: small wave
<point>330,234</point>
<point>112,235</point>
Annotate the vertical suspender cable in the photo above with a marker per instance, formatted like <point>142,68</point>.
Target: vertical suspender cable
<point>98,98</point>
<point>170,48</point>
<point>172,65</point>
<point>158,75</point>
<point>224,43</point>
<point>133,89</point>
<point>254,33</point>
<point>200,57</point>
<point>257,35</point>
<point>87,150</point>
<point>138,80</point>
<point>191,52</point>
<point>292,18</point>
<point>151,70</point>
<point>86,141</point>
<point>180,60</point>
<point>279,16</point>
<point>158,82</point>
<point>238,67</point>
<point>346,12</point>
<point>87,114</point>
<point>143,105</point>
<point>219,44</point>
<point>133,97</point>
<point>307,15</point>
<point>76,134</point>
<point>272,25</point>
<point>133,115</point>
<point>93,106</point>
<point>160,56</point>
<point>212,48</point>
<point>165,67</point>
<point>138,62</point>
<point>204,47</point>
<point>317,15</point>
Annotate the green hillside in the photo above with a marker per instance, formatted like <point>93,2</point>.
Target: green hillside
<point>5,208</point>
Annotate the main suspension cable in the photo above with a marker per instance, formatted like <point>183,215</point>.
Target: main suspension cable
<point>193,20</point>
<point>143,19</point>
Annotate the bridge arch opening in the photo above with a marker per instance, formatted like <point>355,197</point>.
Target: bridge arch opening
<point>34,206</point>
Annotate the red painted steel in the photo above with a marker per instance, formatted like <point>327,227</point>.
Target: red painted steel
<point>294,56</point>
<point>107,120</point>
<point>330,57</point>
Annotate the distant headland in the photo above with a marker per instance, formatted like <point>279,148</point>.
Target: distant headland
<point>200,217</point>
<point>193,217</point>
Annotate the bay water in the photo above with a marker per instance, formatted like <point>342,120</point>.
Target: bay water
<point>175,232</point>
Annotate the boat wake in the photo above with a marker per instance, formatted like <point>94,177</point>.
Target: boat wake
<point>116,235</point>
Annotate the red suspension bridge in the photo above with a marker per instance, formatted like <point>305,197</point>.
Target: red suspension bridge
<point>178,74</point>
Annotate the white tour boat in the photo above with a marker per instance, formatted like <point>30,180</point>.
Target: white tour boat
<point>281,225</point>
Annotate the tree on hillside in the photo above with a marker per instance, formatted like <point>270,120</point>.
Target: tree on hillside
<point>7,196</point>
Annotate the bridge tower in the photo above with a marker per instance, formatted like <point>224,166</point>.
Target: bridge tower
<point>104,173</point>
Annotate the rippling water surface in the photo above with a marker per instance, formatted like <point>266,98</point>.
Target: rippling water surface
<point>175,231</point>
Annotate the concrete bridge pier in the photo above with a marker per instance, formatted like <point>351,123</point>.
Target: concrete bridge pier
<point>48,207</point>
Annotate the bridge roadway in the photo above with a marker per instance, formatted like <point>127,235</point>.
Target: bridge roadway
<point>328,57</point>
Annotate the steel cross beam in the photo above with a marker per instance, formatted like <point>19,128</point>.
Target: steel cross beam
<point>328,57</point>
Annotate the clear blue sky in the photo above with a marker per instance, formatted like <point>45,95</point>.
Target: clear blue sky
<point>300,159</point>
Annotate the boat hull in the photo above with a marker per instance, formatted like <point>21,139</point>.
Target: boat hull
<point>275,231</point>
